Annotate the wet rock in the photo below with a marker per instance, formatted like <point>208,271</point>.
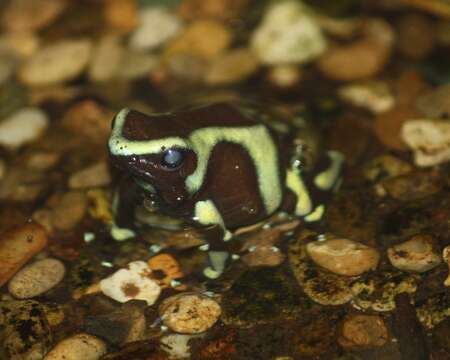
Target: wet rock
<point>25,332</point>
<point>168,269</point>
<point>288,33</point>
<point>24,44</point>
<point>177,345</point>
<point>192,40</point>
<point>106,59</point>
<point>343,256</point>
<point>23,15</point>
<point>430,141</point>
<point>412,186</point>
<point>435,103</point>
<point>22,127</point>
<point>23,184</point>
<point>416,254</point>
<point>446,257</point>
<point>374,96</point>
<point>260,296</point>
<point>234,66</point>
<point>434,310</point>
<point>69,211</point>
<point>157,26</point>
<point>90,120</point>
<point>134,282</point>
<point>93,176</point>
<point>361,59</point>
<point>189,313</point>
<point>121,14</point>
<point>19,245</point>
<point>56,63</point>
<point>119,327</point>
<point>385,167</point>
<point>284,76</point>
<point>217,9</point>
<point>36,278</point>
<point>136,65</point>
<point>362,331</point>
<point>416,36</point>
<point>44,160</point>
<point>78,347</point>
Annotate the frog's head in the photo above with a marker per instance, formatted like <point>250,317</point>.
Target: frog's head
<point>154,152</point>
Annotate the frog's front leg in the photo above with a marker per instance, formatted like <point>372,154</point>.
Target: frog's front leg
<point>124,203</point>
<point>207,214</point>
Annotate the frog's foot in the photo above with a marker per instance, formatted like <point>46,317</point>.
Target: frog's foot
<point>121,234</point>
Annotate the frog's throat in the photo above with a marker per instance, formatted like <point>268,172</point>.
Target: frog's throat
<point>256,140</point>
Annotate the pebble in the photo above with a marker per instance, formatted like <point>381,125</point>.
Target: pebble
<point>69,211</point>
<point>385,167</point>
<point>106,59</point>
<point>416,36</point>
<point>36,278</point>
<point>93,176</point>
<point>23,184</point>
<point>24,44</point>
<point>234,66</point>
<point>169,269</point>
<point>374,96</point>
<point>177,345</point>
<point>19,245</point>
<point>435,103</point>
<point>288,33</point>
<point>416,254</point>
<point>8,63</point>
<point>121,14</point>
<point>157,26</point>
<point>189,313</point>
<point>284,76</point>
<point>43,160</point>
<point>363,58</point>
<point>264,256</point>
<point>343,256</point>
<point>429,140</point>
<point>412,186</point>
<point>132,283</point>
<point>358,330</point>
<point>22,127</point>
<point>136,65</point>
<point>56,63</point>
<point>446,257</point>
<point>192,40</point>
<point>78,347</point>
<point>29,16</point>
<point>216,9</point>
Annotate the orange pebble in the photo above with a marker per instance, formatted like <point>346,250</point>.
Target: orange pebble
<point>170,268</point>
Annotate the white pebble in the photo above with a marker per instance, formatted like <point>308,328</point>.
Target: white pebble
<point>429,140</point>
<point>289,33</point>
<point>132,283</point>
<point>189,313</point>
<point>56,63</point>
<point>22,127</point>
<point>37,278</point>
<point>177,345</point>
<point>78,347</point>
<point>157,25</point>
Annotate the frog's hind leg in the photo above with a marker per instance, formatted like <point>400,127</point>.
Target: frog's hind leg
<point>314,188</point>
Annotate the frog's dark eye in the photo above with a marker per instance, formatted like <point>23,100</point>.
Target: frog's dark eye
<point>172,158</point>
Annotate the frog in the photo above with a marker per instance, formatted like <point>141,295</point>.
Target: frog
<point>221,165</point>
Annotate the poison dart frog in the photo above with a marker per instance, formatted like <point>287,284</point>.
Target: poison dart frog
<point>221,164</point>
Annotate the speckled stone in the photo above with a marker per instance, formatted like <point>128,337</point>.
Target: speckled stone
<point>78,347</point>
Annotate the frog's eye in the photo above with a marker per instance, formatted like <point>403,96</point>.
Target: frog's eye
<point>172,158</point>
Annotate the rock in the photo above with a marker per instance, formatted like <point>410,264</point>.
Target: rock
<point>36,278</point>
<point>436,7</point>
<point>119,327</point>
<point>264,256</point>
<point>416,254</point>
<point>435,103</point>
<point>216,9</point>
<point>121,14</point>
<point>29,16</point>
<point>157,26</point>
<point>69,211</point>
<point>285,76</point>
<point>106,59</point>
<point>385,167</point>
<point>93,176</point>
<point>25,330</point>
<point>374,96</point>
<point>187,67</point>
<point>136,65</point>
<point>288,33</point>
<point>2,169</point>
<point>13,97</point>
<point>78,347</point>
<point>19,245</point>
<point>189,313</point>
<point>23,184</point>
<point>177,345</point>
<point>56,63</point>
<point>24,44</point>
<point>363,58</point>
<point>8,63</point>
<point>168,268</point>
<point>22,127</point>
<point>362,331</point>
<point>430,141</point>
<point>134,282</point>
<point>43,160</point>
<point>192,40</point>
<point>416,36</point>
<point>343,256</point>
<point>446,257</point>
<point>234,66</point>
